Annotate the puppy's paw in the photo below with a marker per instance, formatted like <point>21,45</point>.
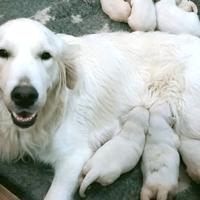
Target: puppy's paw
<point>158,191</point>
<point>100,171</point>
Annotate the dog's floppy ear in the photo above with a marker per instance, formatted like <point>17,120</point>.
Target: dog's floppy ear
<point>69,55</point>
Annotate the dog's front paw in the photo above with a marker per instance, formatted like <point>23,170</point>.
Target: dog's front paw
<point>158,190</point>
<point>100,170</point>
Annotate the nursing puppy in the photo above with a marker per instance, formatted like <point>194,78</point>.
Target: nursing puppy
<point>151,78</point>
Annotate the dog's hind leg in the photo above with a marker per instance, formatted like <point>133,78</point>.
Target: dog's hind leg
<point>189,131</point>
<point>190,149</point>
<point>120,154</point>
<point>160,163</point>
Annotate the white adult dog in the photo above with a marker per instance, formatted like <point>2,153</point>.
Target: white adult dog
<point>120,86</point>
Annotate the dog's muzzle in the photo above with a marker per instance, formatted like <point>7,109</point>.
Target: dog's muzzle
<point>24,98</point>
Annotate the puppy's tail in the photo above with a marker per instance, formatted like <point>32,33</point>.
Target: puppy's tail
<point>90,177</point>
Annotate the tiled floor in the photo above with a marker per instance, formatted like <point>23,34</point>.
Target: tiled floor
<point>6,195</point>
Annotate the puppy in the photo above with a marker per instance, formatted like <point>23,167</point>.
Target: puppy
<point>118,10</point>
<point>143,15</point>
<point>174,19</point>
<point>110,160</point>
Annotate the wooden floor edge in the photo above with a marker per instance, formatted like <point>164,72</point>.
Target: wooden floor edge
<point>6,195</point>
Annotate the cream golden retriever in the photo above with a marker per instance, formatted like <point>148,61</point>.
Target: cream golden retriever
<point>128,95</point>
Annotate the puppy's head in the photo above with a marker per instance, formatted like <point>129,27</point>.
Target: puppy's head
<point>29,68</point>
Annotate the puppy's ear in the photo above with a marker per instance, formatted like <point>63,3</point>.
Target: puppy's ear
<point>70,53</point>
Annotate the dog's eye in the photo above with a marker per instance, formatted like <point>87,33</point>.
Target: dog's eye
<point>45,55</point>
<point>4,53</point>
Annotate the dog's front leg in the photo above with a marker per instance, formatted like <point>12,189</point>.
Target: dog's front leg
<point>67,171</point>
<point>160,164</point>
<point>120,154</point>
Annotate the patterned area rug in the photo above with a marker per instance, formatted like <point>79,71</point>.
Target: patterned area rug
<point>29,180</point>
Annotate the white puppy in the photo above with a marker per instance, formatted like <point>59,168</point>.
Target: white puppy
<point>120,154</point>
<point>108,76</point>
<point>143,15</point>
<point>117,10</point>
<point>160,132</point>
<point>174,19</point>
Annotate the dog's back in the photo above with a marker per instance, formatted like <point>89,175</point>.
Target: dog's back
<point>140,68</point>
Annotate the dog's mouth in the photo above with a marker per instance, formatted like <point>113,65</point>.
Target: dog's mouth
<point>24,119</point>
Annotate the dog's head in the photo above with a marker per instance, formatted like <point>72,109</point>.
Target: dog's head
<point>30,57</point>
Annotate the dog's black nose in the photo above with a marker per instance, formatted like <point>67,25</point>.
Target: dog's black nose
<point>24,96</point>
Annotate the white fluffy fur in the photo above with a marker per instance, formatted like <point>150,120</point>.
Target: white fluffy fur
<point>150,78</point>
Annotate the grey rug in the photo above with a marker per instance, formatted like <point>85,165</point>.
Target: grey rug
<point>30,180</point>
